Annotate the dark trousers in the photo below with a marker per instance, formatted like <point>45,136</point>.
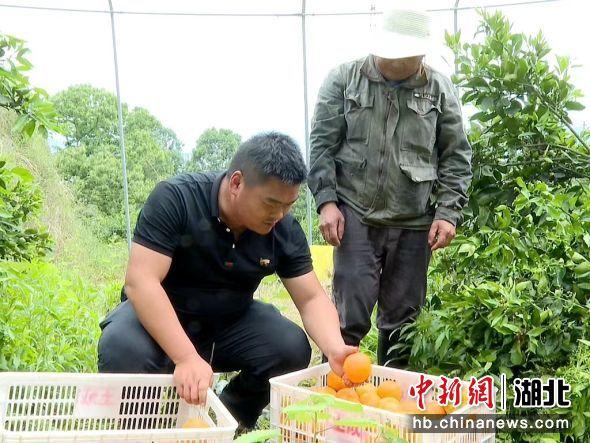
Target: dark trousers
<point>260,343</point>
<point>387,266</point>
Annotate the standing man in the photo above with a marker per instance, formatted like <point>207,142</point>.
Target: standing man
<point>390,168</point>
<point>202,244</point>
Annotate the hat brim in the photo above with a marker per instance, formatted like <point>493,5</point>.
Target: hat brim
<point>393,45</point>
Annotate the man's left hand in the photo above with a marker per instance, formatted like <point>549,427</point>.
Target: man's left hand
<point>337,356</point>
<point>441,234</point>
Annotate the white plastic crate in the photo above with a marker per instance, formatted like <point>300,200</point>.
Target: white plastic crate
<point>105,408</point>
<point>286,390</point>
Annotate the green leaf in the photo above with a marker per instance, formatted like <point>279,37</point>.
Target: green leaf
<point>535,332</point>
<point>488,355</point>
<point>516,356</point>
<point>347,406</point>
<point>496,46</point>
<point>578,258</point>
<point>476,82</point>
<point>439,341</point>
<point>29,128</point>
<point>258,436</point>
<point>522,70</point>
<point>467,248</point>
<point>582,268</point>
<point>512,327</point>
<point>483,116</point>
<point>20,123</point>
<point>574,106</point>
<point>304,407</point>
<point>563,62</point>
<point>23,173</point>
<point>515,107</point>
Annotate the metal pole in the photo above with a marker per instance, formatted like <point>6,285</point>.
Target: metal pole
<point>305,113</point>
<point>455,27</point>
<point>121,133</point>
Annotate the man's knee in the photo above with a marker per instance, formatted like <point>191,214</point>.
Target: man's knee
<point>294,349</point>
<point>125,346</point>
<point>289,342</point>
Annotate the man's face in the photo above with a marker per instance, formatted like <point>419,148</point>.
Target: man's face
<point>259,207</point>
<point>398,68</point>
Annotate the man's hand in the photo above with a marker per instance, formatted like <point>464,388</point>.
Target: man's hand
<point>441,234</point>
<point>331,223</point>
<point>337,356</point>
<point>192,377</point>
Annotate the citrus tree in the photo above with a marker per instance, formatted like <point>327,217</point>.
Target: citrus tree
<point>35,112</point>
<point>511,294</point>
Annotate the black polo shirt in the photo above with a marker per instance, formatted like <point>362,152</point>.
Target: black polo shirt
<point>211,274</point>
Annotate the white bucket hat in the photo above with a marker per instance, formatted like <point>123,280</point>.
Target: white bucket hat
<point>402,33</point>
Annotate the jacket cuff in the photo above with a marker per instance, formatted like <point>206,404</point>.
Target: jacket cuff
<point>326,195</point>
<point>445,213</point>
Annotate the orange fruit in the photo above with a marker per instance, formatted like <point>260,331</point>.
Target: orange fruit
<point>410,406</point>
<point>334,381</point>
<point>195,423</point>
<point>324,390</point>
<point>357,367</point>
<point>432,407</point>
<point>348,394</point>
<point>370,399</point>
<point>449,409</point>
<point>390,388</point>
<point>365,389</point>
<point>390,404</point>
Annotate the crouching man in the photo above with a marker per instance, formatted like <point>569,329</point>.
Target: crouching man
<point>201,246</point>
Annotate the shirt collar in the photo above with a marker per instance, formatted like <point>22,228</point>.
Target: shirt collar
<point>369,69</point>
<point>214,199</point>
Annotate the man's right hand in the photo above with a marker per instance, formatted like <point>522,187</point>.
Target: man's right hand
<point>331,223</point>
<point>192,377</point>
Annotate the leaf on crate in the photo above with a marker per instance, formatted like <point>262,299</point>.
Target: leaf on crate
<point>258,436</point>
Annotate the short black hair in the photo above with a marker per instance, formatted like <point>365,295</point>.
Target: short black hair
<point>269,154</point>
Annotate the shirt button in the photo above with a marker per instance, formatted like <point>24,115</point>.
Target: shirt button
<point>233,246</point>
<point>227,230</point>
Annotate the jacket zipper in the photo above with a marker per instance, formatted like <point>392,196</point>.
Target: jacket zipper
<point>382,156</point>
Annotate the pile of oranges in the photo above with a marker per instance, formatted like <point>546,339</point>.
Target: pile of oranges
<point>388,395</point>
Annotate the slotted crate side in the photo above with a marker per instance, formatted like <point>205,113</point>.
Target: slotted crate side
<point>103,407</point>
<point>285,391</point>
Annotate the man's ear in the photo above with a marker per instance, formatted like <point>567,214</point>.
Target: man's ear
<point>236,182</point>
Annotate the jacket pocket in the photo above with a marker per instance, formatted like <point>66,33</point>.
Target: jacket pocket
<point>351,177</point>
<point>420,180</point>
<point>358,108</point>
<point>420,130</point>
